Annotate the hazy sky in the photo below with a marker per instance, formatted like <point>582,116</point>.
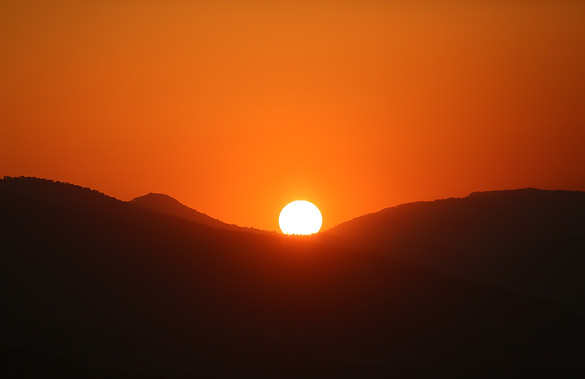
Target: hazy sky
<point>237,108</point>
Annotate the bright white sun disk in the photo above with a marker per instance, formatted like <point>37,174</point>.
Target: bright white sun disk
<point>300,217</point>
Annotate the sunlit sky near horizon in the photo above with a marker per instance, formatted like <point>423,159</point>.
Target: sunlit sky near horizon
<point>238,108</point>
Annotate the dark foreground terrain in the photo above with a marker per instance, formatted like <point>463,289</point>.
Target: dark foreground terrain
<point>95,287</point>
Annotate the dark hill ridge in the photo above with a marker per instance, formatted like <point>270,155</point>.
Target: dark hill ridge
<point>529,240</point>
<point>92,286</point>
<point>168,205</point>
<point>165,204</point>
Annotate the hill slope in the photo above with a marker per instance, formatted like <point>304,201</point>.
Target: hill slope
<point>94,286</point>
<point>529,240</point>
<point>167,205</point>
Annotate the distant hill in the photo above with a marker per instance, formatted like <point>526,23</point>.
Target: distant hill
<point>93,286</point>
<point>529,240</point>
<point>168,205</point>
<point>165,204</point>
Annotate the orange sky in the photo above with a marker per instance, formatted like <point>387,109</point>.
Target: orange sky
<point>237,108</point>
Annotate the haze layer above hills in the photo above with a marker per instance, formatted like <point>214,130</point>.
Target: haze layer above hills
<point>96,286</point>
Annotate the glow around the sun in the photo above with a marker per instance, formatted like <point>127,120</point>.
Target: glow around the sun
<point>300,217</point>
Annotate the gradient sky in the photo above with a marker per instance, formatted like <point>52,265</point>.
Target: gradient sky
<point>237,108</point>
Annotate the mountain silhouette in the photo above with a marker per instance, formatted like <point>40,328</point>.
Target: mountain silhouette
<point>529,240</point>
<point>93,286</point>
<point>168,205</point>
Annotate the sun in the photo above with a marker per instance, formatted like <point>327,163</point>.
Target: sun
<point>300,217</point>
